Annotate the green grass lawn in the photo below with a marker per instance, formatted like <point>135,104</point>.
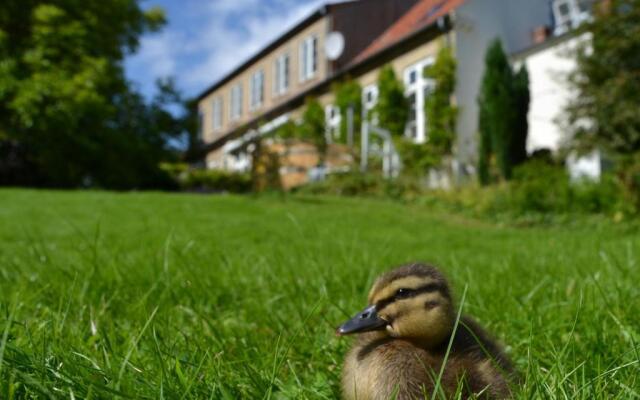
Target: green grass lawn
<point>185,296</point>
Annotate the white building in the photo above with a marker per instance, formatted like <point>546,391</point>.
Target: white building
<point>538,33</point>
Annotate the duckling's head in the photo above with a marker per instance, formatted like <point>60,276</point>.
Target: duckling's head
<point>411,302</point>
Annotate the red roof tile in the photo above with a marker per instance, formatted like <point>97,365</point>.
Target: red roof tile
<point>423,14</point>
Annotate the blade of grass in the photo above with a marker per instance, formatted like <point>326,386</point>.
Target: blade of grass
<point>450,344</point>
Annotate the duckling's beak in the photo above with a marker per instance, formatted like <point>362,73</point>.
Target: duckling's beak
<point>365,321</point>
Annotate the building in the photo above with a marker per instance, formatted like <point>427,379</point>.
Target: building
<point>356,38</point>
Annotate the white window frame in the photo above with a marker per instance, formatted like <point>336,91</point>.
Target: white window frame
<point>308,55</point>
<point>281,75</point>
<point>368,104</point>
<point>332,122</point>
<point>575,17</point>
<point>417,88</point>
<point>235,109</point>
<point>257,89</point>
<point>373,91</point>
<point>217,113</point>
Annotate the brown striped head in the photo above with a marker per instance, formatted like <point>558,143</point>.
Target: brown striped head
<point>412,302</point>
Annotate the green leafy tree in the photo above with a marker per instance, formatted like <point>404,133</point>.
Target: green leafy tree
<point>288,130</point>
<point>312,127</point>
<point>392,108</point>
<point>607,81</point>
<point>605,112</point>
<point>503,104</point>
<point>64,99</point>
<point>349,94</point>
<point>440,111</point>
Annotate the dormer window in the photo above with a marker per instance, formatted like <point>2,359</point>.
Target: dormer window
<point>569,14</point>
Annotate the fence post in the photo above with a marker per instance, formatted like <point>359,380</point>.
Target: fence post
<point>364,150</point>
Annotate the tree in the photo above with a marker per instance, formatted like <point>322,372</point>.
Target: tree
<point>349,94</point>
<point>312,127</point>
<point>522,100</point>
<point>441,113</point>
<point>392,108</point>
<point>604,113</point>
<point>64,99</point>
<point>503,103</point>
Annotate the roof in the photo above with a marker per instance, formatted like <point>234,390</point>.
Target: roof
<point>551,41</point>
<point>314,16</point>
<point>421,16</point>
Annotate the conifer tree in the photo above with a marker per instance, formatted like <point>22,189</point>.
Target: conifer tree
<point>504,104</point>
<point>521,124</point>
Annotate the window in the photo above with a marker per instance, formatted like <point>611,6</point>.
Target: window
<point>569,14</point>
<point>418,88</point>
<point>257,89</point>
<point>308,58</point>
<point>236,101</point>
<point>281,75</point>
<point>584,6</point>
<point>562,13</point>
<point>217,113</point>
<point>369,97</point>
<point>412,77</point>
<point>333,119</point>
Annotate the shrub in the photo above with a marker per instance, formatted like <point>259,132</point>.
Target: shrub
<point>417,158</point>
<point>539,187</point>
<point>539,190</point>
<point>216,181</point>
<point>204,180</point>
<point>364,184</point>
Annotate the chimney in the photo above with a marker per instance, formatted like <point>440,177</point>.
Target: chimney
<point>540,34</point>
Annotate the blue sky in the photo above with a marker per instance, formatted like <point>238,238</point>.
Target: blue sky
<point>205,39</point>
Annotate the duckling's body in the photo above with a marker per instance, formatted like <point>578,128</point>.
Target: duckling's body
<point>401,355</point>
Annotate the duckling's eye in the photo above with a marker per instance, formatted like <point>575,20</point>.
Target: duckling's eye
<point>403,293</point>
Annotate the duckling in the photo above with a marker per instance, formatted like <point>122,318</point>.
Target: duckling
<point>403,336</point>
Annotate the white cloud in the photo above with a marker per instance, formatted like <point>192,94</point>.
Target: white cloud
<point>231,6</point>
<point>155,59</point>
<point>239,29</point>
<point>210,38</point>
<point>156,54</point>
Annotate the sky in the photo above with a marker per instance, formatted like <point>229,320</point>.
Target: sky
<point>205,39</point>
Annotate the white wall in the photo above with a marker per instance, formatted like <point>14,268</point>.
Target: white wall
<point>549,70</point>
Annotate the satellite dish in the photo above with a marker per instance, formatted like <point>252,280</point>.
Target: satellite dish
<point>334,45</point>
